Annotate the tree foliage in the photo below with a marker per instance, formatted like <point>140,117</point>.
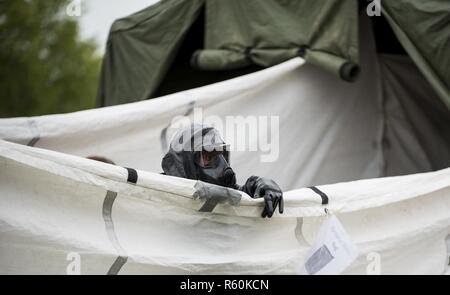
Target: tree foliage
<point>45,67</point>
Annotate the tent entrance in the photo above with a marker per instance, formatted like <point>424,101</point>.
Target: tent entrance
<point>182,76</point>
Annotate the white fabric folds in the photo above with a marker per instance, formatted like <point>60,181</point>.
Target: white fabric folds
<point>53,205</point>
<point>61,213</point>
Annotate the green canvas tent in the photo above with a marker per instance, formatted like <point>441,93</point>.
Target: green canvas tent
<point>180,44</point>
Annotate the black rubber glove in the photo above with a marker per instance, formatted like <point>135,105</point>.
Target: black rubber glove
<point>260,187</point>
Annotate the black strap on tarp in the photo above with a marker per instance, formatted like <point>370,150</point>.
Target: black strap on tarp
<point>209,205</point>
<point>34,131</point>
<point>132,175</point>
<point>321,194</point>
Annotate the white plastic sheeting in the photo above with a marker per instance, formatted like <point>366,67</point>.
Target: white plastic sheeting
<point>56,205</point>
<point>329,130</point>
<point>53,205</point>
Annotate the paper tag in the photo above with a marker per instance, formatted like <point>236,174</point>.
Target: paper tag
<point>332,252</point>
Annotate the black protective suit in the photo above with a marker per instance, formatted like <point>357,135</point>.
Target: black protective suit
<point>183,156</point>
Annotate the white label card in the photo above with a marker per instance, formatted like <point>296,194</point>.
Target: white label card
<point>332,252</point>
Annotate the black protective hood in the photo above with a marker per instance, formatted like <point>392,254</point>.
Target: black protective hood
<point>179,160</point>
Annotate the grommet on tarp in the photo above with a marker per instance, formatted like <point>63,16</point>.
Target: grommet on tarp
<point>321,194</point>
<point>132,175</point>
<point>302,50</point>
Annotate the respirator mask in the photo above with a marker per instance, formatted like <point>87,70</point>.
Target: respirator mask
<point>213,167</point>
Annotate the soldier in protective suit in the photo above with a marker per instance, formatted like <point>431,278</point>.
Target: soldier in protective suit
<point>198,152</point>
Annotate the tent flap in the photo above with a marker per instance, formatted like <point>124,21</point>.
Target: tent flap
<point>140,50</point>
<point>238,35</point>
<point>269,32</point>
<point>423,28</point>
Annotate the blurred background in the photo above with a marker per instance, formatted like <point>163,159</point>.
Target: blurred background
<point>50,53</point>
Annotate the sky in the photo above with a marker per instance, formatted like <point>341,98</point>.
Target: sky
<point>97,16</point>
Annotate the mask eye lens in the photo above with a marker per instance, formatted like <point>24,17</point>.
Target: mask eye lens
<point>208,159</point>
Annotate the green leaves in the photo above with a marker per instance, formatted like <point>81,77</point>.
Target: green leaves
<point>44,65</point>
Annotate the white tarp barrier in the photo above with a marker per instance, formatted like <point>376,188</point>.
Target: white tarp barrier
<point>329,131</point>
<point>54,207</point>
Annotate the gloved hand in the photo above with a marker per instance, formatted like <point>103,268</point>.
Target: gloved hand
<point>260,187</point>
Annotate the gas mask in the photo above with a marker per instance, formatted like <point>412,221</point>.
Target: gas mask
<point>198,152</point>
<point>216,171</point>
